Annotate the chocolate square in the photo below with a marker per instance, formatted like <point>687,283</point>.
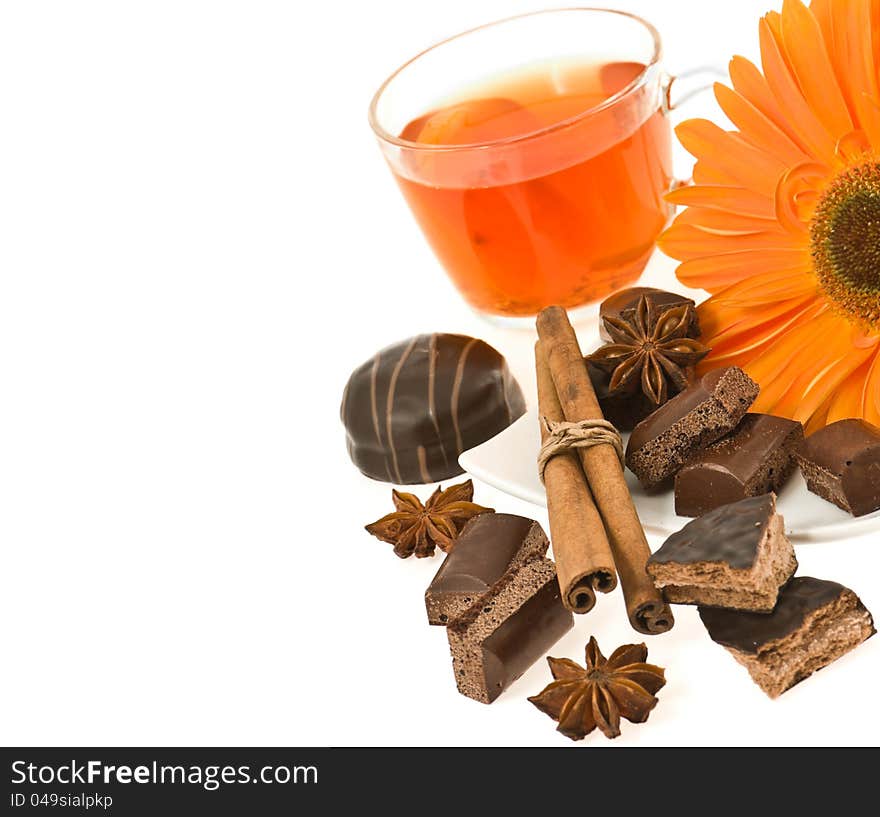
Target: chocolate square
<point>503,633</point>
<point>757,457</point>
<point>736,556</point>
<point>841,463</point>
<point>703,413</point>
<point>815,622</point>
<point>489,545</point>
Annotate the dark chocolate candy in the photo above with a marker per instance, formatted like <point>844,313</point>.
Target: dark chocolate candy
<point>488,546</point>
<point>415,406</point>
<point>729,534</point>
<point>755,458</point>
<point>814,623</point>
<point>623,305</point>
<point>503,633</point>
<point>703,413</point>
<point>749,632</point>
<point>736,556</point>
<point>841,463</point>
<point>623,411</point>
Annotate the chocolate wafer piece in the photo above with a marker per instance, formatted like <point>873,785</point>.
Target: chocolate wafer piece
<point>815,622</point>
<point>841,463</point>
<point>489,545</point>
<point>757,457</point>
<point>736,556</point>
<point>703,413</point>
<point>502,634</point>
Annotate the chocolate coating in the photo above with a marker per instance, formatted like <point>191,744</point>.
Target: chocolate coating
<point>411,409</point>
<point>841,463</point>
<point>507,629</point>
<point>489,546</point>
<point>675,409</point>
<point>524,637</point>
<point>668,439</point>
<point>755,458</point>
<point>623,305</point>
<point>483,551</point>
<point>749,632</point>
<point>728,534</point>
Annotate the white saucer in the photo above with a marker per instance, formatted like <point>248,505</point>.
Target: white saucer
<point>507,462</point>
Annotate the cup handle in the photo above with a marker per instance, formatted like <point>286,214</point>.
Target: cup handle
<point>678,89</point>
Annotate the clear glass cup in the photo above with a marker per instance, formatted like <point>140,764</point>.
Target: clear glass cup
<point>554,211</point>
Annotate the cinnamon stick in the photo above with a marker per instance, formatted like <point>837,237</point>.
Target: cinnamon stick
<point>584,563</point>
<point>648,612</point>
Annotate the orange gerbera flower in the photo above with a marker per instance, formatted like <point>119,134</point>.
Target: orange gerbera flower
<point>783,220</point>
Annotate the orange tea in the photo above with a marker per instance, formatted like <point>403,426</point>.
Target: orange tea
<point>528,201</point>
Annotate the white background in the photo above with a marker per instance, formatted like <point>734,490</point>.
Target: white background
<point>199,241</point>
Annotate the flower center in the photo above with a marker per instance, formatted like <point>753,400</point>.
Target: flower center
<point>845,242</point>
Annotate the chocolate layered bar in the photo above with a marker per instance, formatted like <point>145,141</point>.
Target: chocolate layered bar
<point>841,463</point>
<point>703,413</point>
<point>814,623</point>
<point>488,546</point>
<point>757,457</point>
<point>503,633</point>
<point>736,556</point>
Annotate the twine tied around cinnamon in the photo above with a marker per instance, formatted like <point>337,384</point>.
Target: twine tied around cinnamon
<point>561,436</point>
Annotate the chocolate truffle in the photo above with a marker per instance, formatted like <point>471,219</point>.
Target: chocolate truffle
<point>841,463</point>
<point>814,623</point>
<point>415,406</point>
<point>736,556</point>
<point>703,413</point>
<point>755,458</point>
<point>488,546</point>
<point>502,634</point>
<point>623,305</point>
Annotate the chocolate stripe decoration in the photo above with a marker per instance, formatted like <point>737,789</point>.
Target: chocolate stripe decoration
<point>456,390</point>
<point>412,408</point>
<point>432,408</point>
<point>389,405</point>
<point>375,411</point>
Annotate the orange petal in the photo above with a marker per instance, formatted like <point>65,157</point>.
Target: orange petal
<point>706,173</point>
<point>716,272</point>
<point>772,287</point>
<point>751,84</point>
<point>812,68</point>
<point>757,128</point>
<point>818,420</point>
<point>871,397</point>
<point>811,135</point>
<point>773,362</point>
<point>833,26</point>
<point>726,198</point>
<point>752,337</point>
<point>722,321</point>
<point>731,154</point>
<point>727,223</point>
<point>683,241</point>
<point>824,362</point>
<point>847,399</point>
<point>858,19</point>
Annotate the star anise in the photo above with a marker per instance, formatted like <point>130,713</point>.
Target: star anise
<point>650,348</point>
<point>417,528</point>
<point>582,699</point>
